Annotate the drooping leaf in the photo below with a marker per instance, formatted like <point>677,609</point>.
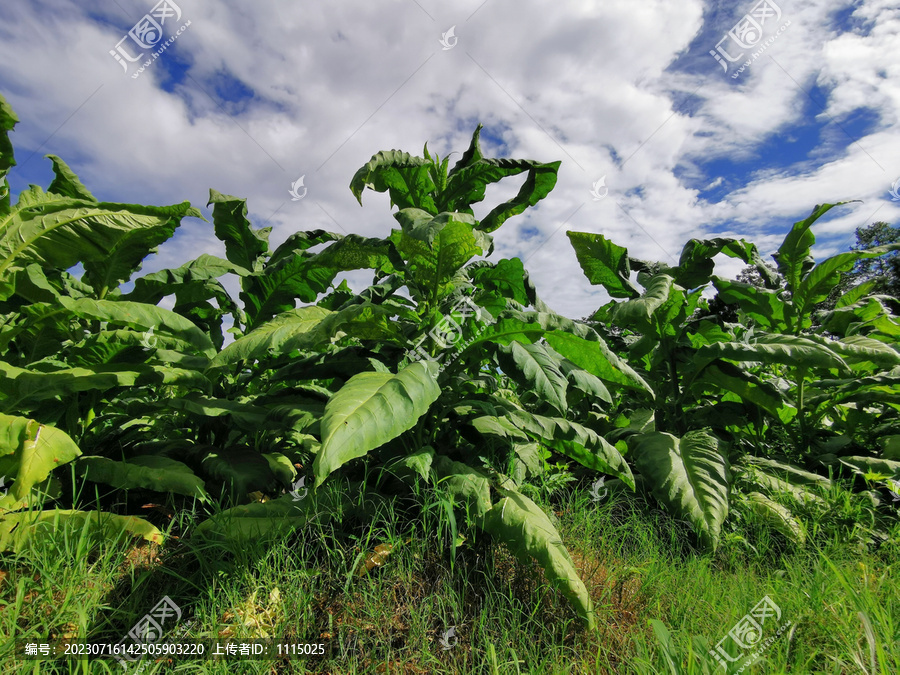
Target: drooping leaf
<point>8,120</point>
<point>307,327</point>
<point>370,410</point>
<point>872,468</point>
<point>791,350</point>
<point>639,311</point>
<point>535,369</point>
<point>469,486</point>
<point>777,516</point>
<point>239,470</point>
<point>574,440</point>
<point>18,531</point>
<point>57,232</point>
<point>262,521</point>
<point>594,356</point>
<point>150,472</point>
<point>291,274</point>
<point>604,263</point>
<point>404,177</point>
<point>690,476</point>
<point>763,305</point>
<point>29,452</point>
<point>137,316</point>
<point>729,377</point>
<point>527,531</point>
<point>244,246</point>
<point>695,266</point>
<point>540,181</point>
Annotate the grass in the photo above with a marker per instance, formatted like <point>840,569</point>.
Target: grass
<point>661,605</point>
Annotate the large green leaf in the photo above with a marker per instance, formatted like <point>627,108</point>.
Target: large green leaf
<point>762,305</point>
<point>584,381</point>
<point>292,274</point>
<point>8,120</point>
<point>639,312</point>
<point>696,265</point>
<point>135,315</point>
<point>406,178</point>
<point>18,531</point>
<point>777,517</point>
<point>573,440</point>
<point>872,468</point>
<point>534,368</point>
<point>690,476</point>
<point>260,521</point>
<point>540,181</point>
<point>308,327</point>
<point>469,487</point>
<point>66,183</point>
<point>527,531</point>
<point>790,350</point>
<point>150,472</point>
<point>244,246</point>
<point>236,471</point>
<point>604,263</point>
<point>436,247</point>
<point>822,279</point>
<point>729,377</point>
<point>151,288</point>
<point>370,410</point>
<point>466,185</point>
<point>506,277</point>
<point>793,256</point>
<point>21,385</point>
<point>57,232</point>
<point>594,356</point>
<point>29,451</point>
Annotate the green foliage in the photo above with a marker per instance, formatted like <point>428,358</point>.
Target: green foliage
<point>446,381</point>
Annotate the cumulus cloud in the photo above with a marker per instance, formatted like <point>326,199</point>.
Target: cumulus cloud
<point>254,95</point>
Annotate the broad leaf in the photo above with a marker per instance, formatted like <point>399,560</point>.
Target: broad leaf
<point>689,476</point>
<point>29,452</point>
<point>535,369</point>
<point>527,531</point>
<point>370,410</point>
<point>604,263</point>
<point>150,472</point>
<point>18,531</point>
<point>244,246</point>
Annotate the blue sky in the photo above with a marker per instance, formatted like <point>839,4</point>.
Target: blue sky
<point>251,96</point>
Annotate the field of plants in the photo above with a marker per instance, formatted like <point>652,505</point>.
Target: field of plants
<point>440,473</point>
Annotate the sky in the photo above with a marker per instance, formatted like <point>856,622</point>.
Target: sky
<point>672,120</point>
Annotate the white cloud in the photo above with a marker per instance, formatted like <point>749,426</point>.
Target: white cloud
<point>591,84</point>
